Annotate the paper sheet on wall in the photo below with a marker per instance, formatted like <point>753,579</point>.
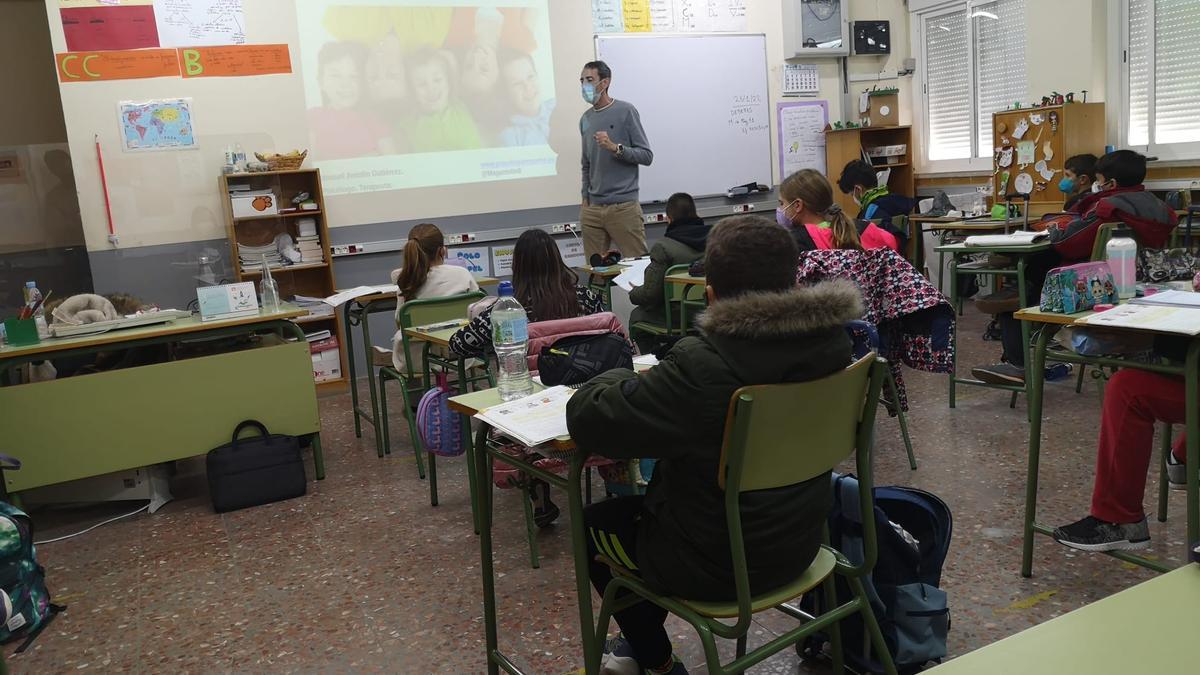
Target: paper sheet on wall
<point>104,27</point>
<point>161,124</point>
<point>802,136</point>
<point>572,252</point>
<point>477,261</point>
<point>668,16</point>
<point>502,261</point>
<point>194,23</point>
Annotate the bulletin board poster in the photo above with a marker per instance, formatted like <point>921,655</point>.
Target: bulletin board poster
<point>475,260</point>
<point>668,16</point>
<point>802,136</point>
<point>572,252</point>
<point>502,261</point>
<point>101,25</point>
<point>158,124</point>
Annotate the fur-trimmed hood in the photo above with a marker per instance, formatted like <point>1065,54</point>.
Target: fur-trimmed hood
<point>783,314</point>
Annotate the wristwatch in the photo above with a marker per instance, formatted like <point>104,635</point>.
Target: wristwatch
<point>620,149</point>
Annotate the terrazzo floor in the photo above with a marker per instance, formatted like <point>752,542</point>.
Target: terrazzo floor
<point>362,575</point>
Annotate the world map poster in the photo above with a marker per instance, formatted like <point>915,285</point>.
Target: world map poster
<point>161,124</point>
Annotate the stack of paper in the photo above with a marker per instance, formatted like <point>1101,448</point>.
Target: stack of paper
<point>1018,238</point>
<point>251,257</point>
<point>1155,318</point>
<point>634,273</point>
<point>532,420</point>
<point>1170,299</point>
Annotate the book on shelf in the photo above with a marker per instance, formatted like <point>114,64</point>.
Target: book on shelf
<point>534,419</point>
<point>317,335</point>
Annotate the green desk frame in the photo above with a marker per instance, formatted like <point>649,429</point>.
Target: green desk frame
<point>958,251</point>
<point>133,417</point>
<point>1189,370</point>
<point>357,312</point>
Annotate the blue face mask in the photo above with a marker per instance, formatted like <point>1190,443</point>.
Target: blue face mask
<point>589,92</point>
<point>1067,185</point>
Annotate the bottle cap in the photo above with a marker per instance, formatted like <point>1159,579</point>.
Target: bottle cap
<point>506,289</point>
<point>30,284</point>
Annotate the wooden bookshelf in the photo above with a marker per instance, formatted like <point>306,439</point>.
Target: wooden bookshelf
<point>1080,130</point>
<point>845,145</point>
<point>314,279</point>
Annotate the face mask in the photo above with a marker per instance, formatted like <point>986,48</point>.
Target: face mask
<point>589,92</point>
<point>781,217</point>
<point>1066,185</point>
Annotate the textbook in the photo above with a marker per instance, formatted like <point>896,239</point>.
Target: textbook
<point>534,419</point>
<point>1018,238</point>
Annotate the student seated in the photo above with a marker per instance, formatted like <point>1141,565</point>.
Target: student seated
<point>544,286</point>
<point>760,328</point>
<point>682,244</point>
<point>1117,196</point>
<point>806,207</point>
<point>1076,183</point>
<point>1133,401</point>
<point>875,202</point>
<point>425,274</point>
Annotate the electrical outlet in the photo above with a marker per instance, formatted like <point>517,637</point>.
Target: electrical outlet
<point>454,239</point>
<point>340,250</point>
<point>743,208</point>
<point>469,237</point>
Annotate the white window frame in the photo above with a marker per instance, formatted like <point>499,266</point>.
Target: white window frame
<point>1118,83</point>
<point>920,10</point>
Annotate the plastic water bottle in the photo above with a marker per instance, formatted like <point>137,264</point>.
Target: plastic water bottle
<point>268,289</point>
<point>1121,253</point>
<point>510,337</point>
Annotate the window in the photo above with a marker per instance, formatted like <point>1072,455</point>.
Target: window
<point>974,65</point>
<point>1162,82</point>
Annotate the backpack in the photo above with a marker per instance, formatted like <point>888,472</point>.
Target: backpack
<point>23,580</point>
<point>439,427</point>
<point>575,359</point>
<point>912,528</point>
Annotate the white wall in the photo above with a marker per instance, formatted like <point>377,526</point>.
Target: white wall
<point>169,197</point>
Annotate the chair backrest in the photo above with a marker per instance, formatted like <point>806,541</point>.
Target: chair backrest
<point>424,311</point>
<point>542,333</point>
<point>783,434</point>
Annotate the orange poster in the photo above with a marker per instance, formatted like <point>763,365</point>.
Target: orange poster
<point>235,60</point>
<point>117,65</point>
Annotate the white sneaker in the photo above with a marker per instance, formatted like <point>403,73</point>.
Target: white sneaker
<point>1176,472</point>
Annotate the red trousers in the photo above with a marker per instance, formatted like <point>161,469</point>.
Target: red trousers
<point>1133,401</point>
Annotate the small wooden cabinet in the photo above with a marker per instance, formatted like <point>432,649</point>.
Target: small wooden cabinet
<point>308,278</point>
<point>1050,134</point>
<point>845,145</point>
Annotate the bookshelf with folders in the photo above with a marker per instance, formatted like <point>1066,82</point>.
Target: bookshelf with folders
<point>280,217</point>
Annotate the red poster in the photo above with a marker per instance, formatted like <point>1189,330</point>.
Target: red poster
<point>90,29</point>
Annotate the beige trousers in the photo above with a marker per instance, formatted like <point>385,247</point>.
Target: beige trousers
<point>609,224</point>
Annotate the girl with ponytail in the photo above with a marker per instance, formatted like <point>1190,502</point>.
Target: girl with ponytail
<point>807,208</point>
<point>425,275</point>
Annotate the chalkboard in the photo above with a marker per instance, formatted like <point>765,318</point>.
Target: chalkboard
<point>704,103</point>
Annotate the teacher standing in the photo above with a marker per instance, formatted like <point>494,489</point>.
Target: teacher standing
<point>614,145</point>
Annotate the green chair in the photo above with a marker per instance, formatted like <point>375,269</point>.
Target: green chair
<point>674,296</point>
<point>835,417</point>
<point>414,382</point>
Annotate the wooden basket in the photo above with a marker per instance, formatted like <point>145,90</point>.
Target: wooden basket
<point>277,162</point>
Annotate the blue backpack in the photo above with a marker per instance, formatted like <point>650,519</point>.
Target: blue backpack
<point>912,528</point>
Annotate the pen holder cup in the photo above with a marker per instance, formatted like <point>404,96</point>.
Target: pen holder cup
<point>21,332</point>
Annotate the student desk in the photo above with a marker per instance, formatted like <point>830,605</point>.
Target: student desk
<point>357,312</point>
<point>440,337</point>
<point>687,281</point>
<point>1149,628</point>
<point>946,228</point>
<point>1035,381</point>
<point>93,424</point>
<point>1020,253</point>
<point>600,279</point>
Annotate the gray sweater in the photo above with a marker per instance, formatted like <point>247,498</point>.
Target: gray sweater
<point>608,179</point>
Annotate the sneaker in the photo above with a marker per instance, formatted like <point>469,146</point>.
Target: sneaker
<point>1093,534</point>
<point>1176,473</point>
<point>1000,373</point>
<point>675,669</point>
<point>545,512</point>
<point>618,658</point>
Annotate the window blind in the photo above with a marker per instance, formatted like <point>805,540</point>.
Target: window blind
<point>999,63</point>
<point>1141,15</point>
<point>948,89</point>
<point>1176,71</point>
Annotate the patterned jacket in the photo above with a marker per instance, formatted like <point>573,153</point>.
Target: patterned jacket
<point>914,319</point>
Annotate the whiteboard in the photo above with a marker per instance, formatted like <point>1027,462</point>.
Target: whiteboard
<point>703,100</point>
